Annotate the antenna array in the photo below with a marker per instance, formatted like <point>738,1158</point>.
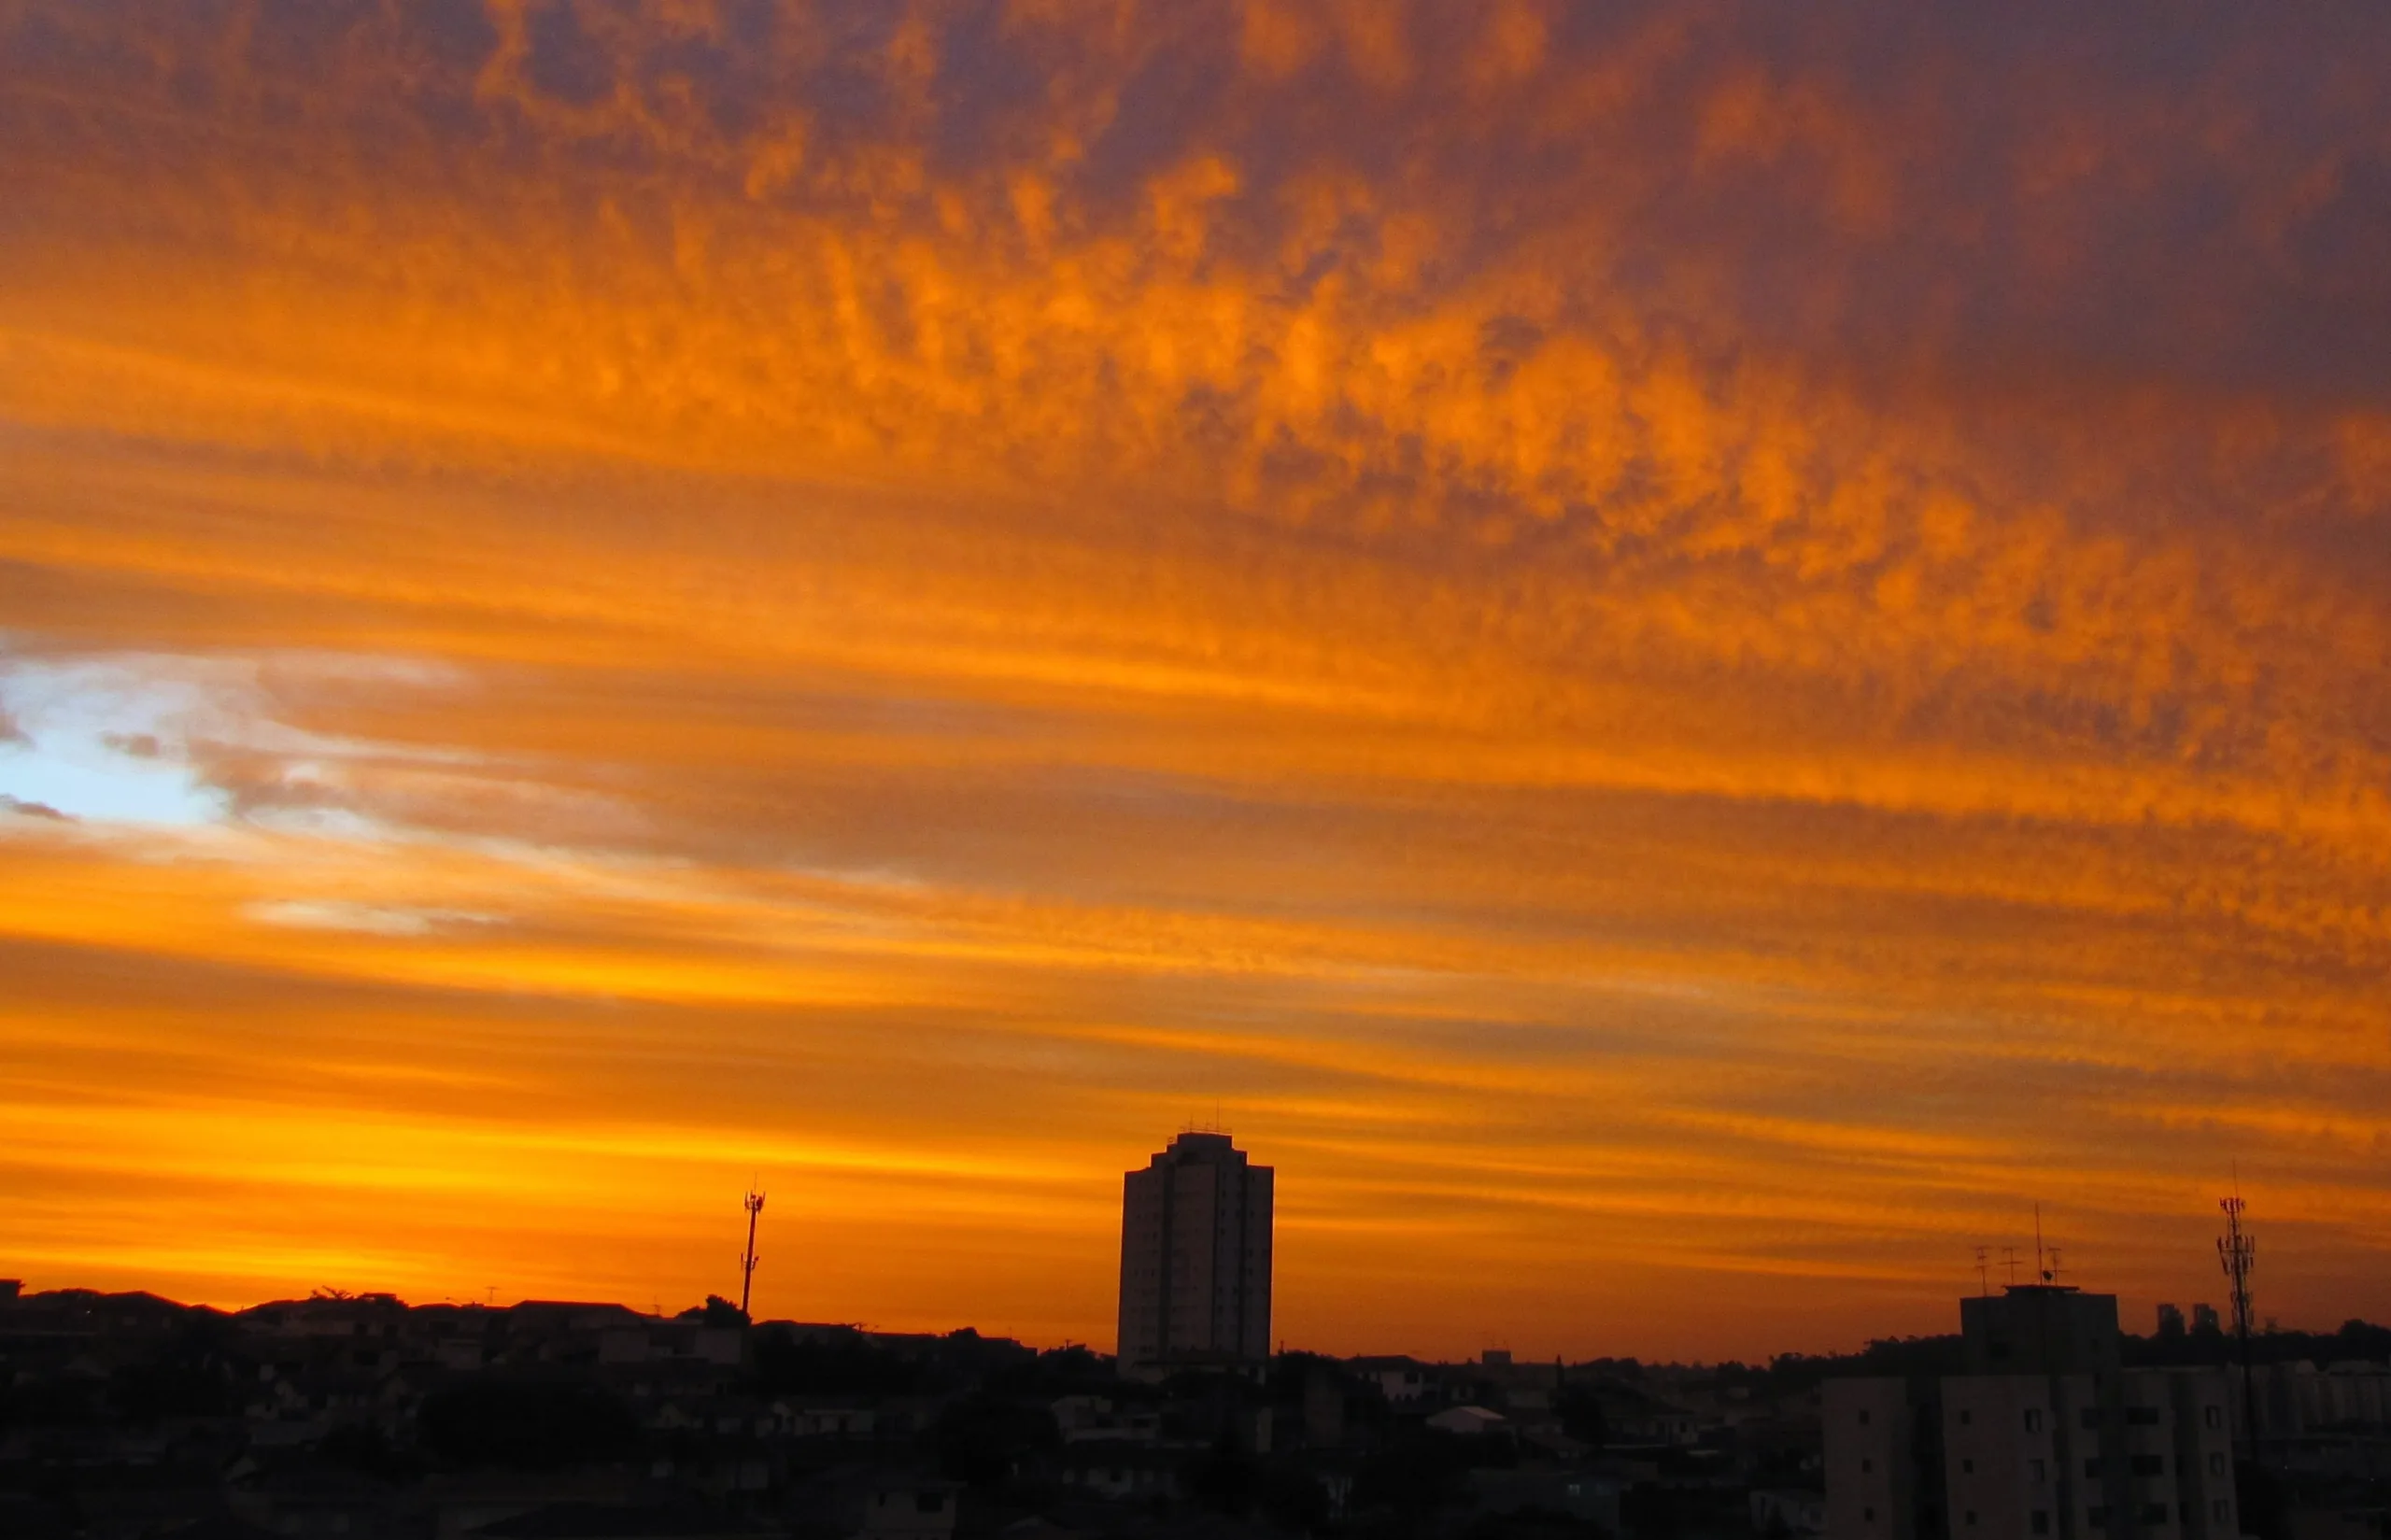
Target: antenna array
<point>2237,1253</point>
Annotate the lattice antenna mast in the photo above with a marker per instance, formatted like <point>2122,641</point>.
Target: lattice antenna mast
<point>748,1258</point>
<point>2237,1253</point>
<point>1984,1272</point>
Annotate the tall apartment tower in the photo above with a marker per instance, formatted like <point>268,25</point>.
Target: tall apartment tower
<point>1194,1258</point>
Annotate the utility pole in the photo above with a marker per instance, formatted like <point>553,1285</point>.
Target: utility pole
<point>748,1259</point>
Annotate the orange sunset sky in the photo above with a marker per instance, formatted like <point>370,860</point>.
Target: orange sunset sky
<point>1681,655</point>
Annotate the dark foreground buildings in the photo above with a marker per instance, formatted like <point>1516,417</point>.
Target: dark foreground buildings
<point>126,1417</point>
<point>2046,1436</point>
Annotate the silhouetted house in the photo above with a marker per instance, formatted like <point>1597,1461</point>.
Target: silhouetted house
<point>671,1341</point>
<point>557,1330</point>
<point>374,1318</point>
<point>1196,1237</point>
<point>1579,1494</point>
<point>913,1510</point>
<point>1124,1470</point>
<point>1469,1421</point>
<point>1634,1415</point>
<point>1093,1418</point>
<point>1404,1381</point>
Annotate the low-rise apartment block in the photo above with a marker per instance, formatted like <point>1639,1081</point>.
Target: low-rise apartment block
<point>2047,1439</point>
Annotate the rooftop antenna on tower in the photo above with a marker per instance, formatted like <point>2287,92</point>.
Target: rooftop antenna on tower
<point>2237,1253</point>
<point>2009,1260</point>
<point>1984,1272</point>
<point>748,1259</point>
<point>2042,1268</point>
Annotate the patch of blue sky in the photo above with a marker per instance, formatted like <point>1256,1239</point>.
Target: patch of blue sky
<point>101,745</point>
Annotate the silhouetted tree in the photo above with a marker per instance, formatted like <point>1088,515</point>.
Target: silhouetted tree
<point>715,1311</point>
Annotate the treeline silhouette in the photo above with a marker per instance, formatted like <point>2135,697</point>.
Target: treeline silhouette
<point>1943,1356</point>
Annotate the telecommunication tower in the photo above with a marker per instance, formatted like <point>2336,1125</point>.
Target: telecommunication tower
<point>748,1259</point>
<point>2237,1253</point>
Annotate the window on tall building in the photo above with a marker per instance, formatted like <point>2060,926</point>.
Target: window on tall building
<point>1972,1519</point>
<point>2097,1517</point>
<point>2218,1510</point>
<point>2091,1418</point>
<point>2142,1417</point>
<point>2035,1420</point>
<point>1966,1416</point>
<point>2040,1523</point>
<point>2217,1464</point>
<point>2092,1466</point>
<point>2213,1415</point>
<point>2154,1513</point>
<point>1867,1515</point>
<point>1864,1416</point>
<point>1866,1466</point>
<point>2038,1470</point>
<point>2150,1465</point>
<point>1967,1467</point>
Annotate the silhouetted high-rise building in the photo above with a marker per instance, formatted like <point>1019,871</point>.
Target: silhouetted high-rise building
<point>1194,1258</point>
<point>2170,1321</point>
